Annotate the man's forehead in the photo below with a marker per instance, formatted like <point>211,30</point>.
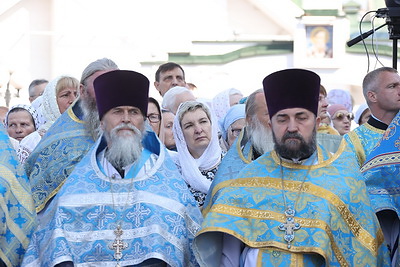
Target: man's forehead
<point>126,107</point>
<point>293,111</point>
<point>176,69</point>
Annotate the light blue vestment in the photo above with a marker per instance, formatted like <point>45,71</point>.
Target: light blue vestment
<point>382,176</point>
<point>158,215</point>
<point>338,224</point>
<point>17,212</point>
<point>54,158</point>
<point>382,170</point>
<point>364,138</point>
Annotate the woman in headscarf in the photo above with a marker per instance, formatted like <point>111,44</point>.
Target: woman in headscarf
<point>20,121</point>
<point>58,95</point>
<point>198,151</point>
<point>233,124</point>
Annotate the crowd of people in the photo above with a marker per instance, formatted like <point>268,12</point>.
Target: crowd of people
<point>97,173</point>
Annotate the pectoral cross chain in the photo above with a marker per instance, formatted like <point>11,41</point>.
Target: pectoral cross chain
<point>289,226</point>
<point>118,245</point>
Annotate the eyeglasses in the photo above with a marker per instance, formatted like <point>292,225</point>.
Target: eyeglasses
<point>236,132</point>
<point>340,116</point>
<point>154,117</point>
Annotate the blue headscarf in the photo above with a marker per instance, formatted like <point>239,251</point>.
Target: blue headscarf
<point>235,113</point>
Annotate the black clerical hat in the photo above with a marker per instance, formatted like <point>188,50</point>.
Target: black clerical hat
<point>121,88</point>
<point>292,88</point>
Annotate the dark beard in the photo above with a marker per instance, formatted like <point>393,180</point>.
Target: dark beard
<point>295,149</point>
<point>91,117</point>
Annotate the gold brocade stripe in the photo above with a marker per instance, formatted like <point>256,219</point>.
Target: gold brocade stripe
<point>4,258</point>
<point>296,259</point>
<point>52,194</point>
<point>280,245</point>
<point>385,159</point>
<point>239,149</point>
<point>359,232</point>
<point>358,147</point>
<point>22,196</point>
<point>72,114</point>
<point>373,129</point>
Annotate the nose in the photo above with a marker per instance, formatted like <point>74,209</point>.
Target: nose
<point>72,98</point>
<point>292,126</point>
<point>125,117</point>
<point>174,81</point>
<point>18,129</point>
<point>198,129</point>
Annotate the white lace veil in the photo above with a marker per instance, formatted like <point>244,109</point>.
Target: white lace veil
<point>189,166</point>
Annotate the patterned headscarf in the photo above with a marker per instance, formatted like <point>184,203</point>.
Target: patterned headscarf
<point>28,108</point>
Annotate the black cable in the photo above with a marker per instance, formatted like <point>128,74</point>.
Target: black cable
<point>362,39</point>
<point>372,43</point>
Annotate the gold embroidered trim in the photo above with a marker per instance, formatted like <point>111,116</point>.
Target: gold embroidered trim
<point>73,116</point>
<point>279,245</point>
<point>52,194</point>
<point>374,129</point>
<point>385,159</point>
<point>360,233</point>
<point>360,153</point>
<point>239,149</point>
<point>321,161</point>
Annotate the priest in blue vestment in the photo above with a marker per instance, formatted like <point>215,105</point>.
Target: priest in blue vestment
<point>299,204</point>
<point>125,203</point>
<point>17,212</point>
<point>382,176</point>
<point>67,140</point>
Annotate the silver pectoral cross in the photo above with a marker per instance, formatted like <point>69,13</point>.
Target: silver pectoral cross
<point>118,245</point>
<point>289,226</point>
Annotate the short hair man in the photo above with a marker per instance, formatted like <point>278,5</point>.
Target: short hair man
<point>67,140</point>
<point>36,88</point>
<point>295,203</point>
<point>381,89</point>
<point>169,75</point>
<point>176,96</point>
<point>124,202</point>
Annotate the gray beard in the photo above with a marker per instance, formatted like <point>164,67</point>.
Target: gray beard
<point>125,150</point>
<point>261,137</point>
<point>91,117</point>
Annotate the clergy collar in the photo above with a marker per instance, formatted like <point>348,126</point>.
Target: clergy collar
<point>373,121</point>
<point>306,161</point>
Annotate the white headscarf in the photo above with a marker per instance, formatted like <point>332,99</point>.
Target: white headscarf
<point>47,106</point>
<point>221,102</point>
<point>190,167</point>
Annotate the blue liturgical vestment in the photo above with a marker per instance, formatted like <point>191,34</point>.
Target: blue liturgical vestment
<point>338,226</point>
<point>17,212</point>
<point>364,138</point>
<point>382,176</point>
<point>54,158</point>
<point>156,211</point>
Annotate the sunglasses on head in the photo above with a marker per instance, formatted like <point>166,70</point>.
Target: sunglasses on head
<point>341,116</point>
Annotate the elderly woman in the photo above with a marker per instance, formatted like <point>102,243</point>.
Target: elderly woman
<point>233,123</point>
<point>21,120</point>
<point>341,118</point>
<point>198,151</point>
<point>58,95</point>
